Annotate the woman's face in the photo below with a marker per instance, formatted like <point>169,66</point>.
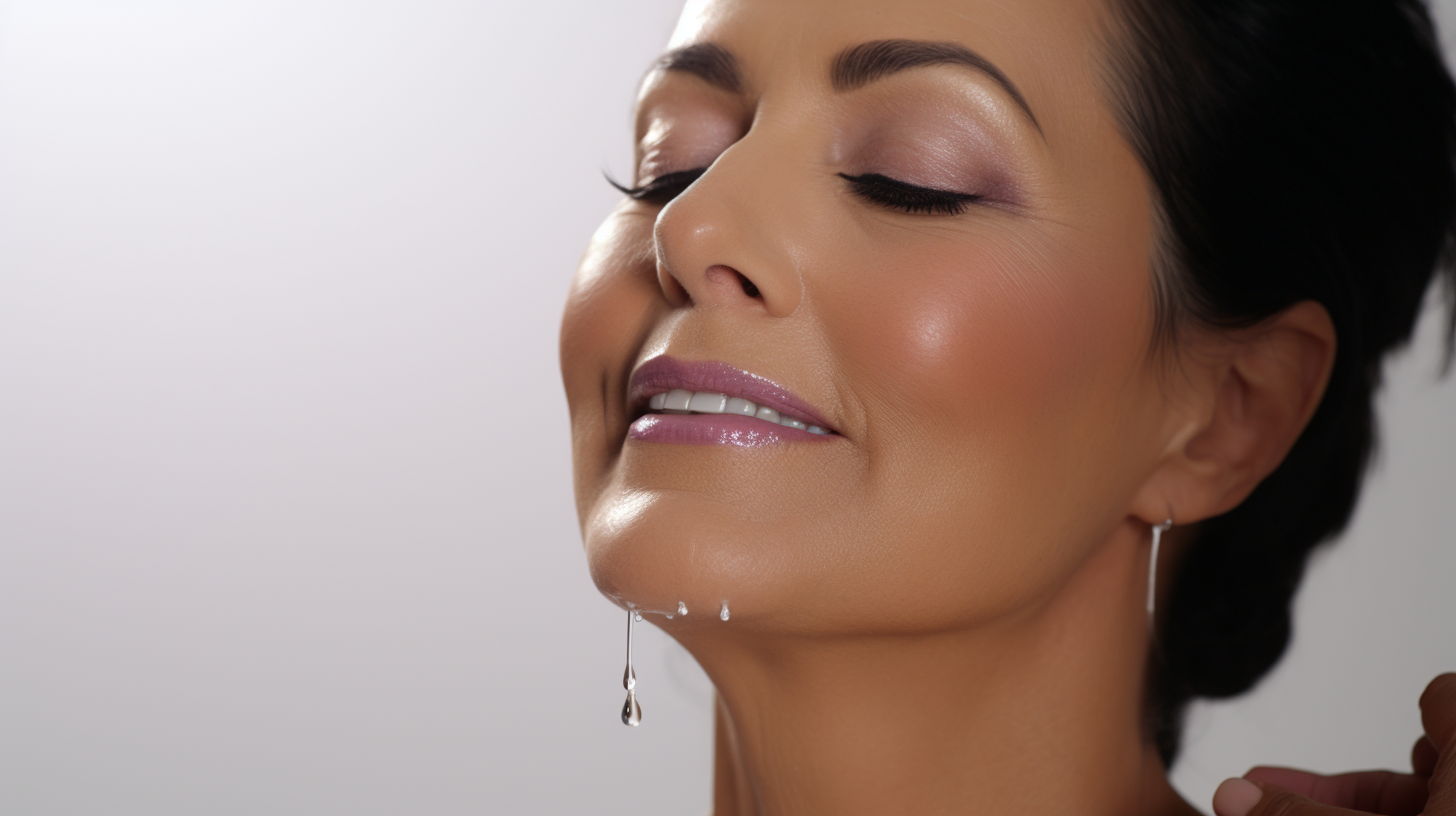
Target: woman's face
<point>937,249</point>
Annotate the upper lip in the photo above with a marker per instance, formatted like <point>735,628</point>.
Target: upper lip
<point>665,373</point>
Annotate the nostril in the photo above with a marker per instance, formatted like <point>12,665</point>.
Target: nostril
<point>748,287</point>
<point>724,278</point>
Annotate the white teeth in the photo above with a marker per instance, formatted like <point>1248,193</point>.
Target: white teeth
<point>677,400</point>
<point>681,401</point>
<point>705,402</point>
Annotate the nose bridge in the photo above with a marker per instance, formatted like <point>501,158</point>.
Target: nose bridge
<point>743,214</point>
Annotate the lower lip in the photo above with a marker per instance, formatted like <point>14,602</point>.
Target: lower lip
<point>717,429</point>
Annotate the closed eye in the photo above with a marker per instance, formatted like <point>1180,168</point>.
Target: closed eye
<point>907,197</point>
<point>662,189</point>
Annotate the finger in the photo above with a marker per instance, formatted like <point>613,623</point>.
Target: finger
<point>1291,779</point>
<point>1423,757</point>
<point>1384,792</point>
<point>1442,801</point>
<point>1438,711</point>
<point>1240,797</point>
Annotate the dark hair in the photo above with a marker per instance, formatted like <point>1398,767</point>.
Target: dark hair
<point>1296,150</point>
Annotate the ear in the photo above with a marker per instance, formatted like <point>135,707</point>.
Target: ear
<point>1245,396</point>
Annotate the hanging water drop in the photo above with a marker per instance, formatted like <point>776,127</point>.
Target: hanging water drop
<point>631,711</point>
<point>682,608</point>
<point>723,614</point>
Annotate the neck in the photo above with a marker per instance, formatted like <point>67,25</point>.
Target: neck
<point>1037,715</point>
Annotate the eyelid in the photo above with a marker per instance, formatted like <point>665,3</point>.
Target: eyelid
<point>906,197</point>
<point>876,187</point>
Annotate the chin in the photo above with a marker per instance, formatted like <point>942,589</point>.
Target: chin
<point>664,524</point>
<point>654,549</point>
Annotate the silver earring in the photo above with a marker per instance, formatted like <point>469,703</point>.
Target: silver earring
<point>1158,530</point>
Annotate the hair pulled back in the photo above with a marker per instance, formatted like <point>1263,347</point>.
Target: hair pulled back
<point>1296,150</point>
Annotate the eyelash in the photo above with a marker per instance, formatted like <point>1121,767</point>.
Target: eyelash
<point>662,189</point>
<point>880,189</point>
<point>906,197</point>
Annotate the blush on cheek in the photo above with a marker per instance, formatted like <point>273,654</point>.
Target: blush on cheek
<point>966,326</point>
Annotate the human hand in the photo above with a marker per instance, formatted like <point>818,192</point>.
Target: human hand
<point>1430,790</point>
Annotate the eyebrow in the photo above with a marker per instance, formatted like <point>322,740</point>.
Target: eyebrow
<point>862,64</point>
<point>854,67</point>
<point>710,62</point>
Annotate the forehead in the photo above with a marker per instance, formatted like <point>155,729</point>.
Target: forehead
<point>1050,49</point>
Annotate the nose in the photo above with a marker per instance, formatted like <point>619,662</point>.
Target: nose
<point>727,240</point>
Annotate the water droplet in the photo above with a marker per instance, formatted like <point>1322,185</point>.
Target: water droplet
<point>669,617</point>
<point>682,608</point>
<point>723,615</point>
<point>631,711</point>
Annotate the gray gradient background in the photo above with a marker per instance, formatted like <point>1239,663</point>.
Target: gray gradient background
<point>285,517</point>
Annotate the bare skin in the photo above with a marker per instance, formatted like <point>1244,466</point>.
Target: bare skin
<point>938,607</point>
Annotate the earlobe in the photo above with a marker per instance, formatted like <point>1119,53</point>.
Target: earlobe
<point>1254,392</point>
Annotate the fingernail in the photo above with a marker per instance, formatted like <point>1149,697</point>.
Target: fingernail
<point>1236,797</point>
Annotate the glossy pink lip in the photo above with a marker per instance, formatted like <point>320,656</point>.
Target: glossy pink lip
<point>666,373</point>
<point>661,374</point>
<point>717,429</point>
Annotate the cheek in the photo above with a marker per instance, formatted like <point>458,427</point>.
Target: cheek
<point>609,310</point>
<point>994,374</point>
<point>986,327</point>
<point>616,271</point>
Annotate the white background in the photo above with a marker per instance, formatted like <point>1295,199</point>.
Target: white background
<point>285,516</point>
